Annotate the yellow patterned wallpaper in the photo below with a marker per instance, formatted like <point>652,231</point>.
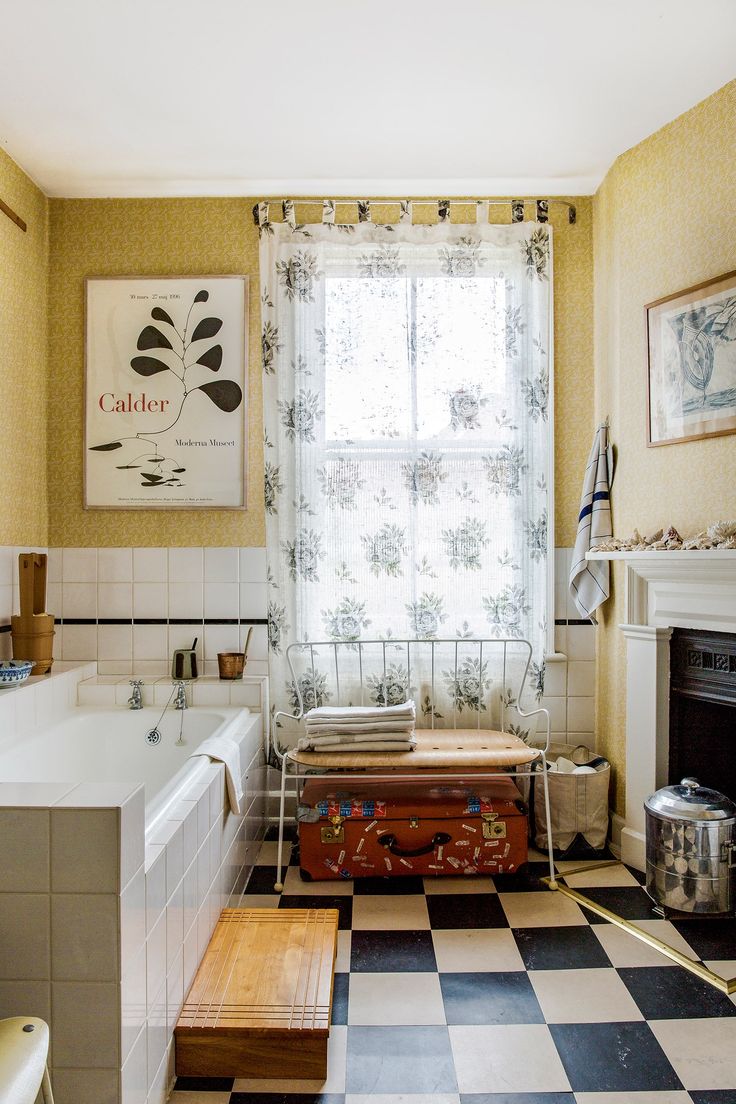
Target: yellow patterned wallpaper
<point>23,301</point>
<point>663,221</point>
<point>146,237</point>
<point>188,236</point>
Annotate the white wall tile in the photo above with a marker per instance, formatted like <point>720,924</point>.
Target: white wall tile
<point>79,565</point>
<point>133,1002</point>
<point>155,867</point>
<point>150,642</point>
<point>252,565</point>
<point>115,599</point>
<point>114,565</point>
<point>79,642</point>
<point>581,678</point>
<point>174,925</point>
<point>150,565</point>
<point>86,1023</point>
<point>132,919</point>
<point>186,565</point>
<point>220,638</point>
<point>84,850</point>
<point>186,600</point>
<point>8,565</point>
<point>555,679</point>
<point>581,642</point>
<point>84,937</point>
<point>581,714</point>
<point>85,1086</point>
<point>24,850</point>
<point>155,962</point>
<point>151,600</point>
<point>253,600</point>
<point>115,642</point>
<point>221,600</point>
<point>134,1075</point>
<point>78,600</point>
<point>54,566</point>
<point>221,565</point>
<point>26,936</point>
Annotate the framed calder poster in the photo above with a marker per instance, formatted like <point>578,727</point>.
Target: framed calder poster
<point>165,379</point>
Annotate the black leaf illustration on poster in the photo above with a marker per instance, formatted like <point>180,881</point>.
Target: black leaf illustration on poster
<point>212,359</point>
<point>224,393</point>
<point>151,338</point>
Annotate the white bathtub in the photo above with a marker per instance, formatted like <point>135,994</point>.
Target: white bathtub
<point>116,858</point>
<point>110,745</point>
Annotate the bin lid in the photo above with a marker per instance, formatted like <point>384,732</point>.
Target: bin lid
<point>690,801</point>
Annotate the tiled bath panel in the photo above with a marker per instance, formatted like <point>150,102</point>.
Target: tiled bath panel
<point>102,926</point>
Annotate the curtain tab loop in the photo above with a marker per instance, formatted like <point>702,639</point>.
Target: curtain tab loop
<point>517,210</point>
<point>364,210</point>
<point>405,211</point>
<point>542,210</point>
<point>288,212</point>
<point>328,212</point>
<point>482,212</point>
<point>443,210</point>
<point>260,214</point>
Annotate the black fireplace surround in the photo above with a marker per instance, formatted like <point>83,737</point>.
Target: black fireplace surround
<point>703,708</point>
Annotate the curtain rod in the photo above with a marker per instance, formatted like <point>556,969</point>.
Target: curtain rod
<point>12,216</point>
<point>465,200</point>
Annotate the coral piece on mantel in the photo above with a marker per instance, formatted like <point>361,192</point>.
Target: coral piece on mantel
<point>722,534</point>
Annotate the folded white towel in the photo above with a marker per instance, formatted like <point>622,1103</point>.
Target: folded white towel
<point>348,747</point>
<point>355,714</point>
<point>227,751</point>
<point>350,738</point>
<point>397,724</point>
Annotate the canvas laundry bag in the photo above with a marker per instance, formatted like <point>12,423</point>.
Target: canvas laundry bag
<point>578,800</point>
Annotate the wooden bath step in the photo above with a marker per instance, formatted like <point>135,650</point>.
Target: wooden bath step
<point>261,999</point>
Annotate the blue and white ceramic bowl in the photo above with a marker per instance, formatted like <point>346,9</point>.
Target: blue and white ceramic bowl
<point>14,671</point>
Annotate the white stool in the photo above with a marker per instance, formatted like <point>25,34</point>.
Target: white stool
<point>24,1048</point>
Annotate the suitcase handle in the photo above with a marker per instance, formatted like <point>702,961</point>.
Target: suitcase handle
<point>388,840</point>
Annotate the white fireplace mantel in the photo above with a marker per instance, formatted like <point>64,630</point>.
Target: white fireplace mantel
<point>664,590</point>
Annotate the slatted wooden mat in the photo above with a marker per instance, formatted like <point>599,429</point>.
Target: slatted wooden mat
<point>265,981</point>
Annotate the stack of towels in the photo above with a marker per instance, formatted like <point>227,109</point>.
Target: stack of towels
<point>360,728</point>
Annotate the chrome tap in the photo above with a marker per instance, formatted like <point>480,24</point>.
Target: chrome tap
<point>180,701</point>
<point>135,701</point>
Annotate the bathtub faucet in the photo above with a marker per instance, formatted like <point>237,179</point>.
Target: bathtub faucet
<point>180,701</point>
<point>135,701</point>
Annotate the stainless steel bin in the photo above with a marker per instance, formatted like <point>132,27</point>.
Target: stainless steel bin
<point>691,849</point>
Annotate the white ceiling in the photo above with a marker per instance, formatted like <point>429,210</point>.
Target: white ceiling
<point>387,97</point>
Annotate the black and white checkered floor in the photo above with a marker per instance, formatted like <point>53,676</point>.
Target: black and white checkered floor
<point>462,991</point>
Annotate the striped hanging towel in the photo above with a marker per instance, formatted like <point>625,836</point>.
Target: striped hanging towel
<point>589,580</point>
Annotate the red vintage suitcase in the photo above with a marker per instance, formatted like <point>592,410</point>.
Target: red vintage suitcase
<point>424,828</point>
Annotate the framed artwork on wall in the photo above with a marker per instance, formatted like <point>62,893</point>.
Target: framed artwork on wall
<point>165,392</point>
<point>691,359</point>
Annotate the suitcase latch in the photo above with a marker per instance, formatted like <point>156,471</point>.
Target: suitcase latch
<point>492,827</point>
<point>335,833</point>
<point>413,822</point>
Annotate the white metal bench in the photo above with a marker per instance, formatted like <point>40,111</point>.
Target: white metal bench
<point>381,671</point>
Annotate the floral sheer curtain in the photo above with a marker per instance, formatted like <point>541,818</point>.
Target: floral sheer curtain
<point>407,444</point>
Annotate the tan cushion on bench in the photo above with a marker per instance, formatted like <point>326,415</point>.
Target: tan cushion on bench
<point>441,749</point>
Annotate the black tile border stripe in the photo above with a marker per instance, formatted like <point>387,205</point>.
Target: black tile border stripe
<point>572,621</point>
<point>154,621</point>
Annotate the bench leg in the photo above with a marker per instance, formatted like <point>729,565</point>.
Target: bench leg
<point>279,885</point>
<point>548,818</point>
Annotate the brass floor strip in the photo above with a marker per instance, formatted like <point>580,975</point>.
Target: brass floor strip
<point>726,985</point>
